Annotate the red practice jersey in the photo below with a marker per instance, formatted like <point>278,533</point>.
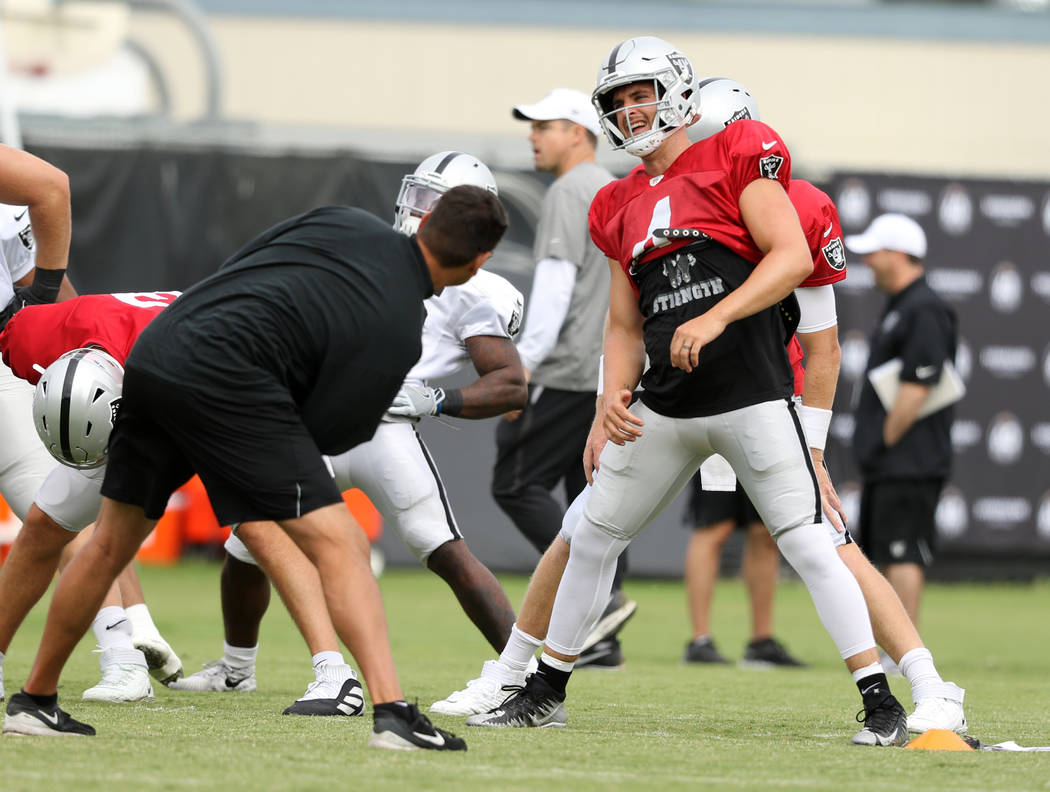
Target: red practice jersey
<point>820,224</point>
<point>41,334</point>
<point>700,191</point>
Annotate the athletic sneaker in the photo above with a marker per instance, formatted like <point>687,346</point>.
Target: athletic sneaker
<point>121,681</point>
<point>606,655</point>
<point>483,694</point>
<point>25,716</point>
<point>612,620</point>
<point>940,712</point>
<point>702,650</point>
<point>536,704</point>
<point>218,677</point>
<point>407,729</point>
<point>884,724</point>
<point>164,665</point>
<point>767,653</point>
<point>335,692</point>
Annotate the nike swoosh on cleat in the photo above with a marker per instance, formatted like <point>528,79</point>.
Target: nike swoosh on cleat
<point>115,624</point>
<point>51,718</point>
<point>925,371</point>
<point>769,145</point>
<point>433,739</point>
<point>868,690</point>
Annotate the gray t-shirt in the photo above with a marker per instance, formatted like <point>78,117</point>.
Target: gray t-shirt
<point>563,234</point>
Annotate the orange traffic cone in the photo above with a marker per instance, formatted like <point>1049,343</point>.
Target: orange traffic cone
<point>939,740</point>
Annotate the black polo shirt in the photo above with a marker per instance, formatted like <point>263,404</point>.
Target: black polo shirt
<point>920,328</point>
<point>321,314</point>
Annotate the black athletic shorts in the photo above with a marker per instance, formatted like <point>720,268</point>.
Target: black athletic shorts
<point>254,455</point>
<point>897,524</point>
<point>706,509</point>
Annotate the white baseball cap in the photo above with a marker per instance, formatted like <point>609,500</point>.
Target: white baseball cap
<point>562,103</point>
<point>890,232</point>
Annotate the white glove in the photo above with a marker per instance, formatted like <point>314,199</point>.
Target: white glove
<point>415,401</point>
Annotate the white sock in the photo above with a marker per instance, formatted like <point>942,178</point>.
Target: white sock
<point>554,662</point>
<point>585,587</point>
<point>112,628</point>
<point>834,590</point>
<point>141,621</point>
<point>240,657</point>
<point>322,659</point>
<point>867,671</point>
<point>520,649</point>
<point>918,668</point>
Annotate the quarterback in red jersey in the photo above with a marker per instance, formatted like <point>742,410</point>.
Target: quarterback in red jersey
<point>101,329</point>
<point>705,249</point>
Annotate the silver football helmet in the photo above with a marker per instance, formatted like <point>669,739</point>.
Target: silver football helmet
<point>434,176</point>
<point>722,101</point>
<point>75,405</point>
<point>646,59</point>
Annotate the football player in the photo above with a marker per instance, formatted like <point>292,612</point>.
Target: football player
<point>73,351</point>
<point>705,248</point>
<point>468,324</point>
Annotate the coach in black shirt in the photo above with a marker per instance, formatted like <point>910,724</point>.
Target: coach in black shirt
<point>294,348</point>
<point>903,460</point>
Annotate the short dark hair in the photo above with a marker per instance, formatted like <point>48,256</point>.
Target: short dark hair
<point>467,221</point>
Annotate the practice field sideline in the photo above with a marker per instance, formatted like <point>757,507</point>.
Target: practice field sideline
<point>657,725</point>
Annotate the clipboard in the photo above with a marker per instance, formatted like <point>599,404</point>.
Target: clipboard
<point>886,380</point>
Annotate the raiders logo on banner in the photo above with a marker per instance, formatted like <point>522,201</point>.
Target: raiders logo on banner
<point>769,166</point>
<point>835,254</point>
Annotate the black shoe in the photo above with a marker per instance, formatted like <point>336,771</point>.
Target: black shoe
<point>25,716</point>
<point>407,729</point>
<point>535,704</point>
<point>348,700</point>
<point>603,656</point>
<point>885,724</point>
<point>768,653</point>
<point>612,620</point>
<point>702,650</point>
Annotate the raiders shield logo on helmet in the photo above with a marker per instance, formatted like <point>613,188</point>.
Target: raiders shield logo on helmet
<point>769,166</point>
<point>835,254</point>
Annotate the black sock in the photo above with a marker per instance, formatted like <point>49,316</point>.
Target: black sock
<point>873,690</point>
<point>44,701</point>
<point>399,708</point>
<point>553,677</point>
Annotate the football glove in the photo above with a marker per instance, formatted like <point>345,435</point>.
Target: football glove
<point>415,401</point>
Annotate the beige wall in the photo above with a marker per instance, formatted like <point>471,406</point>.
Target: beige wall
<point>915,106</point>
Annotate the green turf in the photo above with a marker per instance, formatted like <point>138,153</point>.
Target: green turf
<point>658,725</point>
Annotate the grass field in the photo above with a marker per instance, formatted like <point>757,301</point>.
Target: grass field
<point>657,725</point>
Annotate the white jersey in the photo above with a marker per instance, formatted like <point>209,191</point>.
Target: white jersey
<point>486,305</point>
<point>17,251</point>
<point>24,462</point>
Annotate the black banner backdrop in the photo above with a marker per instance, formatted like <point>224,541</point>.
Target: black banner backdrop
<point>989,256</point>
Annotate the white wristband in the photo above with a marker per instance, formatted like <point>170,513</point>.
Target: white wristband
<point>601,375</point>
<point>815,423</point>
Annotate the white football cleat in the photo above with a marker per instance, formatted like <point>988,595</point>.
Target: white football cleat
<point>218,677</point>
<point>121,681</point>
<point>336,691</point>
<point>164,665</point>
<point>483,694</point>
<point>944,711</point>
